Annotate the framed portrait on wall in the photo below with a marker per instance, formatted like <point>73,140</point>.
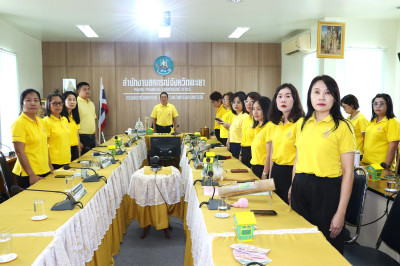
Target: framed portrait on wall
<point>330,40</point>
<point>69,85</point>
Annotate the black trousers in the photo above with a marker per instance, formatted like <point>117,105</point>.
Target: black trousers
<point>163,129</point>
<point>317,199</point>
<point>257,170</point>
<point>88,141</point>
<point>23,181</point>
<point>235,149</point>
<point>74,153</point>
<point>217,134</point>
<point>246,156</point>
<point>282,175</point>
<point>57,166</point>
<point>223,141</point>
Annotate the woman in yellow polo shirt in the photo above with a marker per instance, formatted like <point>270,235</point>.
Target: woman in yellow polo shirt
<point>382,134</point>
<point>58,132</point>
<point>227,118</point>
<point>235,130</point>
<point>216,100</point>
<point>71,112</point>
<point>259,156</point>
<point>324,162</point>
<point>286,115</point>
<point>248,131</point>
<point>30,142</point>
<point>350,106</point>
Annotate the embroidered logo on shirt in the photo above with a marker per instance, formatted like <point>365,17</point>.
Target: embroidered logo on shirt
<point>379,129</point>
<point>326,133</point>
<point>289,134</point>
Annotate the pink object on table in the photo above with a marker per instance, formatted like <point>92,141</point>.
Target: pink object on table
<point>241,203</point>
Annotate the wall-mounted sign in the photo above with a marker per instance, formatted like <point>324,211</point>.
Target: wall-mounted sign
<point>163,65</point>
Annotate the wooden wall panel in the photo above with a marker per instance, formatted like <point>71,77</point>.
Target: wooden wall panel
<point>108,75</point>
<point>103,53</point>
<point>199,54</point>
<point>269,78</point>
<point>128,112</point>
<point>177,52</point>
<point>223,79</point>
<point>81,74</point>
<point>78,54</point>
<point>126,54</point>
<point>224,67</point>
<point>247,79</point>
<point>269,54</point>
<point>149,51</point>
<point>52,79</point>
<point>246,54</point>
<point>223,54</point>
<point>54,54</point>
<point>199,112</point>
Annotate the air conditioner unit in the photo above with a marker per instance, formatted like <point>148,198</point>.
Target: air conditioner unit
<point>300,44</point>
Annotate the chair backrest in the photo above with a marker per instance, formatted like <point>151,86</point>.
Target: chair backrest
<point>355,208</point>
<point>390,233</point>
<point>8,179</point>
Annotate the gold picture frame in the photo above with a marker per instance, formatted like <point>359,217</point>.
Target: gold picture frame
<point>330,40</point>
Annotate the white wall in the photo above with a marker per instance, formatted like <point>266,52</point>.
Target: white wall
<point>29,56</point>
<point>359,33</point>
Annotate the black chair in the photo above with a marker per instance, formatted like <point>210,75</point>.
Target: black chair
<point>355,208</point>
<point>390,235</point>
<point>7,175</point>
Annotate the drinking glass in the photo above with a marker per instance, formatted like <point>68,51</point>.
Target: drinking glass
<point>38,209</point>
<point>5,246</point>
<point>69,183</point>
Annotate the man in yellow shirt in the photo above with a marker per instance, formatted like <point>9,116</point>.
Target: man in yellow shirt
<point>164,115</point>
<point>216,100</point>
<point>87,114</point>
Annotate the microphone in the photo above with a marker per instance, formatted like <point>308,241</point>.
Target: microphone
<point>387,167</point>
<point>120,151</point>
<point>92,178</point>
<point>127,144</point>
<point>112,159</point>
<point>11,153</point>
<point>67,204</point>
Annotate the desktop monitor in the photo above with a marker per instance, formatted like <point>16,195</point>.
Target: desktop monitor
<point>165,146</point>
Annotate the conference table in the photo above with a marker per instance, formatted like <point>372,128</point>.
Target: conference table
<point>92,235</point>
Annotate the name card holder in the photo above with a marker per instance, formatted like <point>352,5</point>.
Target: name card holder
<point>78,192</point>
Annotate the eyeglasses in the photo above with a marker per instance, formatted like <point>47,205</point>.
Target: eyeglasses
<point>378,104</point>
<point>246,102</point>
<point>57,103</point>
<point>238,102</point>
<point>225,100</point>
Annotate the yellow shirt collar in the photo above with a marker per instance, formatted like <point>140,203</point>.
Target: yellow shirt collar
<point>28,118</point>
<point>83,100</point>
<point>327,119</point>
<point>383,120</point>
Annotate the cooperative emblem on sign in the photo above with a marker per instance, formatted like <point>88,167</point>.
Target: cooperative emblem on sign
<point>163,65</point>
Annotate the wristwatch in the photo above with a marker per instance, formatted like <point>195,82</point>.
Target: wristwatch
<point>266,174</point>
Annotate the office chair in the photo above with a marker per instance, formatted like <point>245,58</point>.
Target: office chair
<point>6,174</point>
<point>390,235</point>
<point>355,208</point>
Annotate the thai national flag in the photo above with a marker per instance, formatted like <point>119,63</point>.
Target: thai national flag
<point>103,108</point>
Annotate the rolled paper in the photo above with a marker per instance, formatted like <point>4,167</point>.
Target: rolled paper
<point>247,188</point>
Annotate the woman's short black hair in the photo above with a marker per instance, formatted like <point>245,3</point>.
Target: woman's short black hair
<point>23,95</point>
<point>389,104</point>
<point>215,96</point>
<point>242,97</point>
<point>335,110</point>
<point>48,102</point>
<point>254,95</point>
<point>265,104</point>
<point>81,84</point>
<point>163,93</point>
<point>230,97</point>
<point>351,100</point>
<point>75,111</point>
<point>275,116</point>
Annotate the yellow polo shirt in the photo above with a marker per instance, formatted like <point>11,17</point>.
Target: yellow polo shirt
<point>248,132</point>
<point>164,114</point>
<point>33,135</point>
<point>74,130</point>
<point>319,149</point>
<point>220,112</point>
<point>59,134</point>
<point>377,138</point>
<point>283,140</point>
<point>360,125</point>
<point>228,118</point>
<point>87,114</point>
<point>235,131</point>
<point>259,144</point>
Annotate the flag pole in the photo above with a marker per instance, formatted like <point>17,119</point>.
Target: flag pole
<point>98,124</point>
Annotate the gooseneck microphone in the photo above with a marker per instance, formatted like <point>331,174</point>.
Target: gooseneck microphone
<point>67,204</point>
<point>11,153</point>
<point>112,159</point>
<point>127,144</point>
<point>387,167</point>
<point>92,178</point>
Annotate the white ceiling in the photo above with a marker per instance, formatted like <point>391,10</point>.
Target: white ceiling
<point>192,20</point>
